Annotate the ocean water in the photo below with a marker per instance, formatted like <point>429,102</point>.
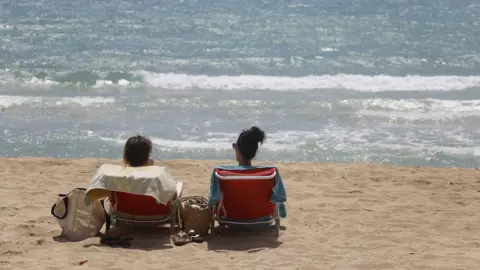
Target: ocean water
<point>388,81</point>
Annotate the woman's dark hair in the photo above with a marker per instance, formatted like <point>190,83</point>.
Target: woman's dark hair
<point>247,142</point>
<point>137,151</point>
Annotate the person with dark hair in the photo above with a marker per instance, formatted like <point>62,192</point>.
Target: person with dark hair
<point>137,151</point>
<point>247,145</point>
<point>246,148</point>
<point>135,194</point>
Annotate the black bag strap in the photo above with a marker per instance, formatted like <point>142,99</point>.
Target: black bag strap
<point>108,218</point>
<point>65,202</point>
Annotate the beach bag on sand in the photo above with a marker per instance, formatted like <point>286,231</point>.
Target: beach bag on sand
<point>77,220</point>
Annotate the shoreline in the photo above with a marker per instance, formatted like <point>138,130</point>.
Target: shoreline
<point>352,216</point>
<point>232,162</point>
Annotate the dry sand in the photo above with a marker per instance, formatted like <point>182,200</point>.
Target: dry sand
<point>340,216</point>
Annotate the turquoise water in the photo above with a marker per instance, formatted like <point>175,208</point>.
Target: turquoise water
<point>353,81</point>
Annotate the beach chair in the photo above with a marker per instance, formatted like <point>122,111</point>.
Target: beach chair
<point>145,195</point>
<point>144,210</point>
<point>246,199</point>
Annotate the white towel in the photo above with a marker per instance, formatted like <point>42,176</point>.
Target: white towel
<point>154,181</point>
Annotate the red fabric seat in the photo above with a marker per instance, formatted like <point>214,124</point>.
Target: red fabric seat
<point>247,199</point>
<point>140,205</point>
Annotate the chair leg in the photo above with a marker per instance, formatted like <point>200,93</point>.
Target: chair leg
<point>277,222</point>
<point>172,225</point>
<point>212,227</point>
<point>277,228</point>
<point>212,221</point>
<point>179,218</point>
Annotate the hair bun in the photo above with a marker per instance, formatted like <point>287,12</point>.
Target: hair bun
<point>257,134</point>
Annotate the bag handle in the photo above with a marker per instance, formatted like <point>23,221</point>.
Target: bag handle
<point>65,202</point>
<point>108,218</point>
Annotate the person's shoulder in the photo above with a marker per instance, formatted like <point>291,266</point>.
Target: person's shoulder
<point>226,166</point>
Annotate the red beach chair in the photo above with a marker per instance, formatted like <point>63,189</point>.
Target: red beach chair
<point>246,198</point>
<point>142,209</point>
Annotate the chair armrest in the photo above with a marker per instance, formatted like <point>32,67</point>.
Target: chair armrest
<point>245,177</point>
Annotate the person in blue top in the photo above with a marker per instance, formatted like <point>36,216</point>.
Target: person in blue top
<point>246,148</point>
<point>247,145</point>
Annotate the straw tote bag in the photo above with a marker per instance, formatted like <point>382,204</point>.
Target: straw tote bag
<point>78,220</point>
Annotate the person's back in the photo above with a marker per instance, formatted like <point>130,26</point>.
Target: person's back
<point>152,199</point>
<point>246,148</point>
<point>136,153</point>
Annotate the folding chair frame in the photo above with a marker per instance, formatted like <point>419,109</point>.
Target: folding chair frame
<point>220,206</point>
<point>174,218</point>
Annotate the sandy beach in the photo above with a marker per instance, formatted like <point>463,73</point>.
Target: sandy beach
<point>340,216</point>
